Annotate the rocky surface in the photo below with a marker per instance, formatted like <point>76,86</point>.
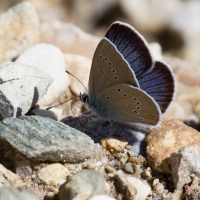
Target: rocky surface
<point>29,144</point>
<point>43,139</point>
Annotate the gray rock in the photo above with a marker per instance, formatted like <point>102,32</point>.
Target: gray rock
<point>21,86</point>
<point>98,128</point>
<point>184,163</point>
<point>128,168</point>
<point>16,194</point>
<point>83,185</point>
<point>43,139</point>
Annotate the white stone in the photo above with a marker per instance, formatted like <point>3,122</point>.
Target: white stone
<point>7,178</point>
<point>143,190</point>
<point>50,60</point>
<point>12,193</point>
<point>19,29</point>
<point>53,174</point>
<point>21,86</point>
<point>101,197</point>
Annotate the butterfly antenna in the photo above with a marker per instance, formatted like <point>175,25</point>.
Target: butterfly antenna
<point>77,79</point>
<point>60,103</point>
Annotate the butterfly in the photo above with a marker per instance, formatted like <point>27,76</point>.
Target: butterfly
<point>126,85</point>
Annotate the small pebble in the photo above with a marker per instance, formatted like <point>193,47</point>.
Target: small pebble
<point>86,183</point>
<point>157,187</point>
<point>114,144</point>
<point>53,174</point>
<point>128,168</point>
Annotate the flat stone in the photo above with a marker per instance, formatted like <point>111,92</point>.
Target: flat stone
<point>50,60</point>
<point>43,139</point>
<point>19,29</point>
<point>172,136</point>
<point>83,185</point>
<point>21,87</point>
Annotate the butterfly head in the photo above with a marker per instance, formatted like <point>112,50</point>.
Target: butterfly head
<point>84,97</point>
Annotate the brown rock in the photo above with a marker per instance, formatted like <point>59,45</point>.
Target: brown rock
<point>79,66</point>
<point>172,136</point>
<point>68,38</point>
<point>19,29</point>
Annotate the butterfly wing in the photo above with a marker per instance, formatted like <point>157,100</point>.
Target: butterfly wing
<point>132,46</point>
<point>160,84</point>
<point>125,103</point>
<point>109,68</point>
<point>157,78</point>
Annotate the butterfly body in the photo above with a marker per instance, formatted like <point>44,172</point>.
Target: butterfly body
<point>126,85</point>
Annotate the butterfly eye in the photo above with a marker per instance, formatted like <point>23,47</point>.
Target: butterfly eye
<point>106,59</point>
<point>100,56</point>
<point>138,103</point>
<point>138,108</point>
<point>110,63</point>
<point>135,98</point>
<point>108,98</point>
<point>118,89</point>
<point>135,111</point>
